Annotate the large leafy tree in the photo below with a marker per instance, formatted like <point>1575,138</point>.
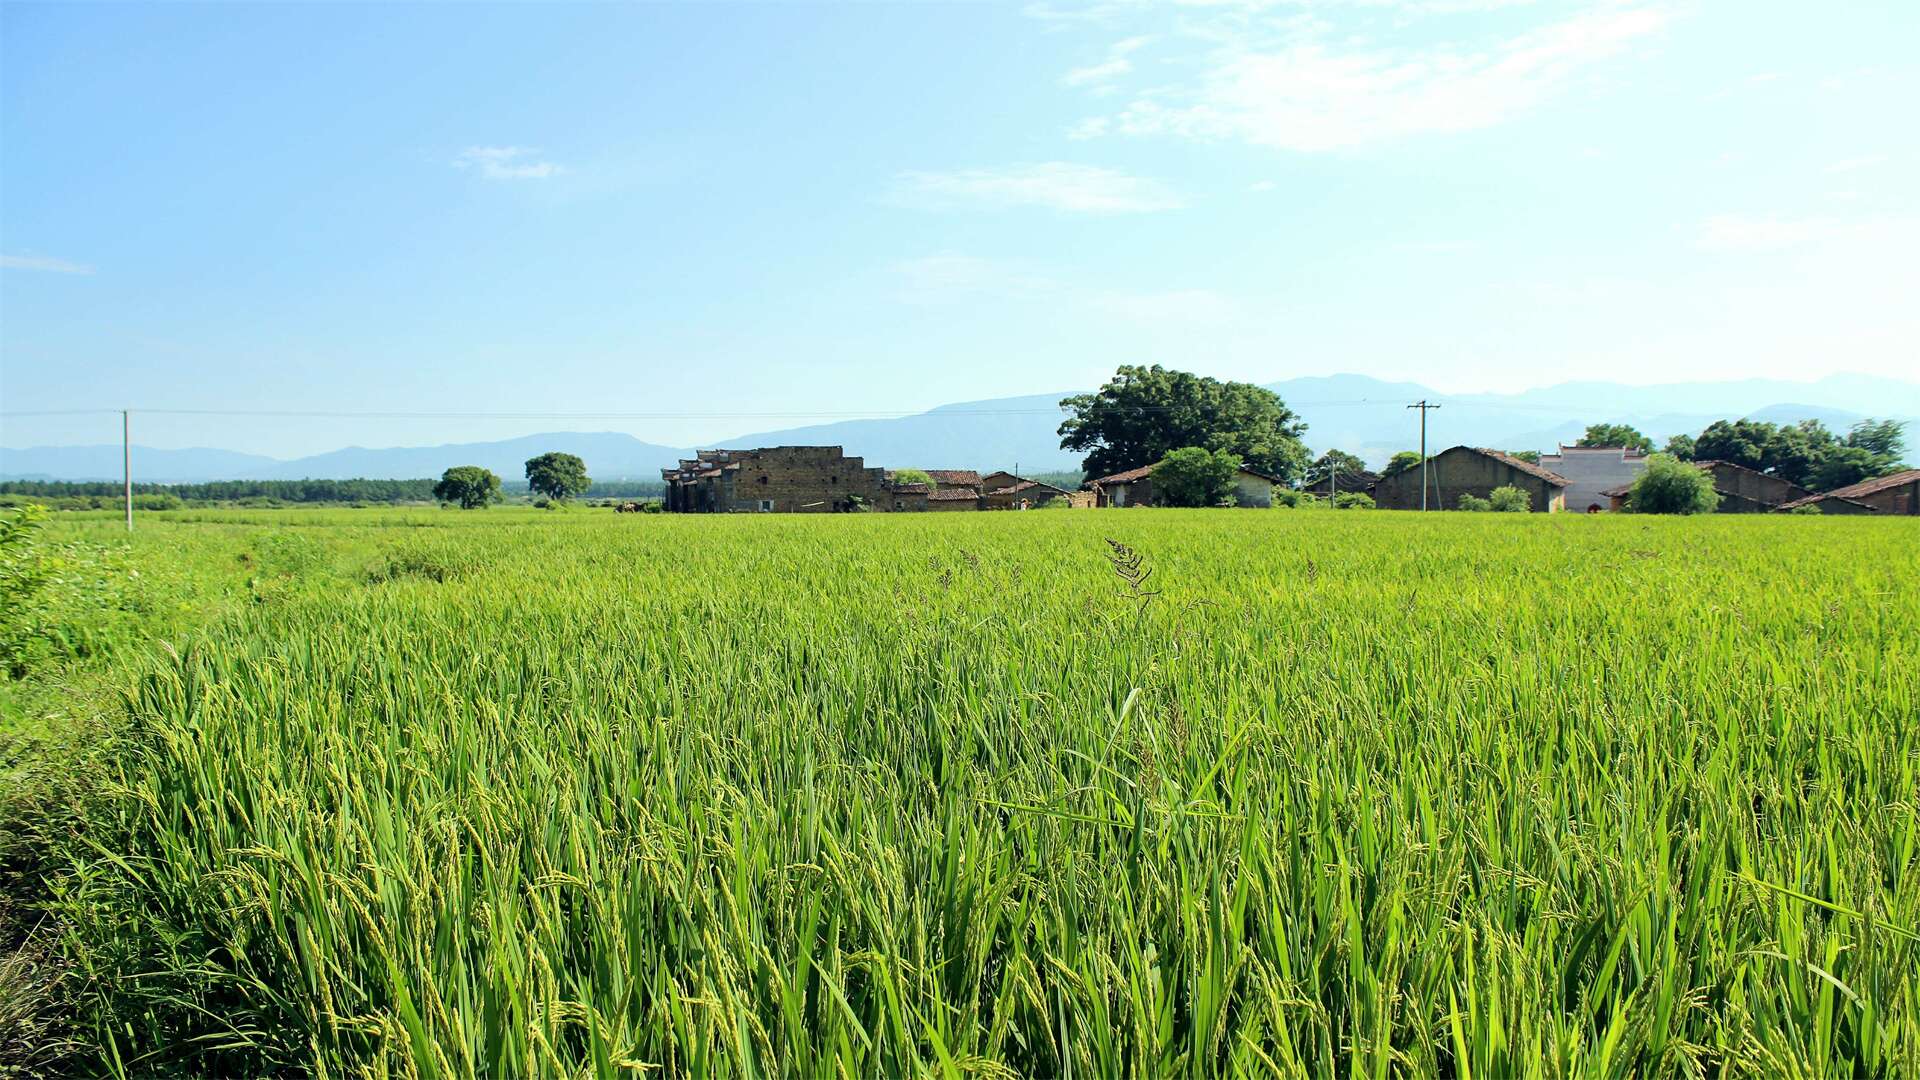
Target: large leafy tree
<point>471,486</point>
<point>1195,476</point>
<point>1144,413</point>
<point>558,476</point>
<point>1806,453</point>
<point>1742,442</point>
<point>1616,435</point>
<point>1680,446</point>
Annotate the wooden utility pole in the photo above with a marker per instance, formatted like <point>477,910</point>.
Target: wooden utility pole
<point>126,460</point>
<point>1423,407</point>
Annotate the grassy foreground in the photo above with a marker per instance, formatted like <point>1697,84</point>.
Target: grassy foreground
<point>510,793</point>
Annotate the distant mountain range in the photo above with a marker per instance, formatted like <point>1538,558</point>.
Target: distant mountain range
<point>1354,413</point>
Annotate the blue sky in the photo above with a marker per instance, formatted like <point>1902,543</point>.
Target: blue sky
<point>728,209</point>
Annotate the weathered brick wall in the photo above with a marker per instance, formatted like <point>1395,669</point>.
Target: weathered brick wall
<point>1751,492</point>
<point>1460,472</point>
<point>801,479</point>
<point>1904,499</point>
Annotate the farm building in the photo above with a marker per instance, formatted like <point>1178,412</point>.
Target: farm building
<point>1470,470</point>
<point>1592,471</point>
<point>1896,494</point>
<point>1742,490</point>
<point>1005,491</point>
<point>777,479</point>
<point>1135,488</point>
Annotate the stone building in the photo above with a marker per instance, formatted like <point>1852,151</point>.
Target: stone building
<point>953,498</point>
<point>1135,488</point>
<point>1898,494</point>
<point>1470,470</point>
<point>1592,471</point>
<point>1005,491</point>
<point>776,479</point>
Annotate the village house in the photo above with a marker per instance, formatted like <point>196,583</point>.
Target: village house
<point>777,479</point>
<point>1135,488</point>
<point>1742,490</point>
<point>1470,470</point>
<point>1593,471</point>
<point>1005,491</point>
<point>1896,494</point>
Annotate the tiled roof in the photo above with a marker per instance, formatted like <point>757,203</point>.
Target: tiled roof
<point>1853,492</point>
<point>954,477</point>
<point>1026,485</point>
<point>1527,467</point>
<point>1129,476</point>
<point>953,495</point>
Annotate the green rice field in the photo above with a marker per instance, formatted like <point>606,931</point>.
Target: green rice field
<point>1103,793</point>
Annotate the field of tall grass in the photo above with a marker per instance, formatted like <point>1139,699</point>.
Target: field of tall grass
<point>1099,793</point>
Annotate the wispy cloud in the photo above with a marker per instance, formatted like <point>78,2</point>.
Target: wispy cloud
<point>1058,185</point>
<point>1755,233</point>
<point>45,263</point>
<point>1299,83</point>
<point>1856,164</point>
<point>507,163</point>
<point>951,278</point>
<point>1115,65</point>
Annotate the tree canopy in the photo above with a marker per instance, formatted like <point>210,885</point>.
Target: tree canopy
<point>1401,462</point>
<point>1616,435</point>
<point>471,486</point>
<point>1196,476</point>
<point>1672,486</point>
<point>558,476</point>
<point>1346,464</point>
<point>1143,414</point>
<point>1806,453</point>
<point>913,476</point>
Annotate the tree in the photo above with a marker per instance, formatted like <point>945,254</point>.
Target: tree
<point>558,476</point>
<point>1196,476</point>
<point>1886,438</point>
<point>1348,465</point>
<point>1401,462</point>
<point>469,485</point>
<point>913,476</point>
<point>1509,500</point>
<point>1531,457</point>
<point>1742,442</point>
<point>1616,435</point>
<point>1144,413</point>
<point>1672,486</point>
<point>1680,446</point>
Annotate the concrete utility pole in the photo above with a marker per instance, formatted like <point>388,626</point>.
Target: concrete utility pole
<point>1423,407</point>
<point>126,460</point>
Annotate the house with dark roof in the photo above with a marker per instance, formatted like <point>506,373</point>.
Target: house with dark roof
<point>1005,491</point>
<point>1134,487</point>
<point>775,479</point>
<point>1470,470</point>
<point>1898,494</point>
<point>1742,490</point>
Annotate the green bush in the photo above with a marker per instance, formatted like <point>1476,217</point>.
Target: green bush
<point>1353,500</point>
<point>1509,500</point>
<point>1195,476</point>
<point>1807,508</point>
<point>1474,503</point>
<point>1672,486</point>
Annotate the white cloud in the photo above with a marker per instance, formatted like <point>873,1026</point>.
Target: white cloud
<point>1115,65</point>
<point>1745,233</point>
<point>44,263</point>
<point>1057,185</point>
<point>507,163</point>
<point>1856,164</point>
<point>1293,85</point>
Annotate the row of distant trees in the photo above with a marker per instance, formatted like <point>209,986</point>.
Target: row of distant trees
<point>554,476</point>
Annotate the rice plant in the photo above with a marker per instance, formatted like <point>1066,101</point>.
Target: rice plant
<point>1090,794</point>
